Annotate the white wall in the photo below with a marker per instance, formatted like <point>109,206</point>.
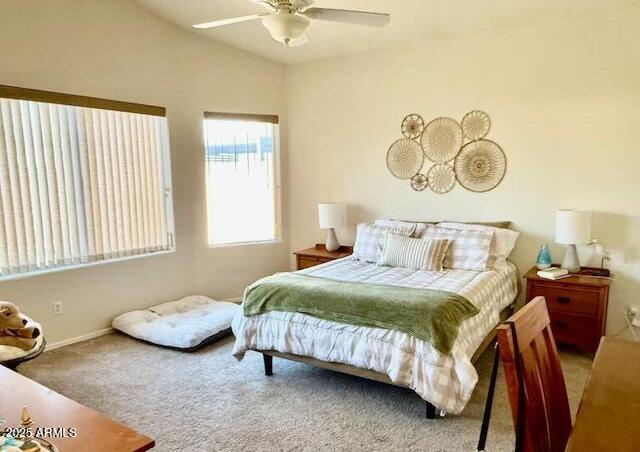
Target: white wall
<point>564,98</point>
<point>116,50</point>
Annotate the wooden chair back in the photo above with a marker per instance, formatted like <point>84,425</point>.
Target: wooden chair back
<point>531,363</point>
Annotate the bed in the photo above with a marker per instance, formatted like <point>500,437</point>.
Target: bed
<point>444,381</point>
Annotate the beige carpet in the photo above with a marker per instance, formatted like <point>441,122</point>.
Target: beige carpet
<point>222,404</point>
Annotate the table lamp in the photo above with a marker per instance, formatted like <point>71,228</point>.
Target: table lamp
<point>573,227</point>
<point>331,216</point>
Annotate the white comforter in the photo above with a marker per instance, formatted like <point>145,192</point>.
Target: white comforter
<point>446,381</point>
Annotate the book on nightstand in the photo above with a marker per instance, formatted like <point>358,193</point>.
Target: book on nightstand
<point>554,273</point>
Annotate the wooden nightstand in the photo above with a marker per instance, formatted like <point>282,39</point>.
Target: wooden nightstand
<point>319,255</point>
<point>577,307</point>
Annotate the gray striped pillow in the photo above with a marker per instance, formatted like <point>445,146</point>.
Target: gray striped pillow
<point>402,251</point>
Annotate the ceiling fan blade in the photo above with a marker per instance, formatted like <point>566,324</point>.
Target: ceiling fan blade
<point>266,3</point>
<point>348,16</point>
<point>302,40</point>
<point>233,20</point>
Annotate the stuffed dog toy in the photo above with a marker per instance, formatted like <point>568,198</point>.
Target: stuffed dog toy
<point>15,329</point>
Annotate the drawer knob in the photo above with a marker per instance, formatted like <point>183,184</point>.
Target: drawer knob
<point>563,300</point>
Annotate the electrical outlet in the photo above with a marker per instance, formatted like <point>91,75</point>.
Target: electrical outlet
<point>57,308</point>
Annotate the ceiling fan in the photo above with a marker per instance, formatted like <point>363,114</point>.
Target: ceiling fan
<point>287,20</point>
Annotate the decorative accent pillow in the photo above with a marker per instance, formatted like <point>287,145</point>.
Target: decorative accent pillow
<point>419,227</point>
<point>401,251</point>
<point>369,240</point>
<point>469,249</point>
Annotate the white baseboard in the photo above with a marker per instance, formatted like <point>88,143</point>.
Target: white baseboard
<point>81,338</point>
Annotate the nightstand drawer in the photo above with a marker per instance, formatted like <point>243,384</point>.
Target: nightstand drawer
<point>575,330</point>
<point>567,300</point>
<point>307,261</point>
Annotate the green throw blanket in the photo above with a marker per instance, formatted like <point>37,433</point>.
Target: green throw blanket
<point>430,315</point>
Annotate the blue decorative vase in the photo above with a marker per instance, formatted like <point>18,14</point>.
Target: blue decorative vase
<point>544,258</point>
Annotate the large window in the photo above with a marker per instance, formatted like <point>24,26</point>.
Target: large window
<point>242,178</point>
<point>82,181</point>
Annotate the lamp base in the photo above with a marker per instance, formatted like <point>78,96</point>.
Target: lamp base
<point>332,241</point>
<point>571,261</point>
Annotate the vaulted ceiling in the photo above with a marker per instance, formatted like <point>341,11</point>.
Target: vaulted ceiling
<point>411,21</point>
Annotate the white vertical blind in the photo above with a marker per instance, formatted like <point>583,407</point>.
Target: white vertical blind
<point>80,185</point>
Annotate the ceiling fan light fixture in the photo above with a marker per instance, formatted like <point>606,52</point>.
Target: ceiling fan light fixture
<point>285,26</point>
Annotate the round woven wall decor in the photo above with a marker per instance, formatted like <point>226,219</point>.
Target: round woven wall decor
<point>476,125</point>
<point>404,158</point>
<point>442,139</point>
<point>480,166</point>
<point>441,178</point>
<point>412,126</point>
<point>419,182</point>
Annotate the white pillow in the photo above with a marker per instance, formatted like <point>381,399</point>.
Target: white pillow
<point>401,251</point>
<point>369,240</point>
<point>419,227</point>
<point>469,249</point>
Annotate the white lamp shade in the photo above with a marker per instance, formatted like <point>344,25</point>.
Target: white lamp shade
<point>573,227</point>
<point>332,215</point>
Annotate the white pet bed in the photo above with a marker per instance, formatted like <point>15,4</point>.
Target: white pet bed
<point>186,324</point>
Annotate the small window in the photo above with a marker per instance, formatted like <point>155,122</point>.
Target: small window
<point>242,178</point>
<point>82,181</point>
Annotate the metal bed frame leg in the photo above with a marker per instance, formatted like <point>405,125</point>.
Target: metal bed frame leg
<point>268,364</point>
<point>431,411</point>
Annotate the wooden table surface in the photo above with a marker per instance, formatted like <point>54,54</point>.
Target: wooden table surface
<point>609,414</point>
<point>95,432</point>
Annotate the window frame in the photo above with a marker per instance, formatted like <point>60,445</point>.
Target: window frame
<point>46,271</point>
<point>50,97</point>
<point>277,187</point>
